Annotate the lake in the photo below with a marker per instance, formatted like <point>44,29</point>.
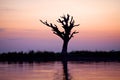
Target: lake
<point>54,71</point>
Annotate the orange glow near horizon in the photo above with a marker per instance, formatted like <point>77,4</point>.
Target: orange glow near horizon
<point>99,22</point>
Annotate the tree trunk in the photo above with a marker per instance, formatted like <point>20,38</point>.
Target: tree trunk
<point>64,48</point>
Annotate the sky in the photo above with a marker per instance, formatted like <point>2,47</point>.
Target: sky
<point>21,30</point>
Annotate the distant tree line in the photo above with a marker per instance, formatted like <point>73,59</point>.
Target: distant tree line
<point>39,56</point>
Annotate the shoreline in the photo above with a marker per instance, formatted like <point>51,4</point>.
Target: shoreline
<point>85,56</point>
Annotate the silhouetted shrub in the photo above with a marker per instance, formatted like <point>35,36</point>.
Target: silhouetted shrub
<point>39,56</point>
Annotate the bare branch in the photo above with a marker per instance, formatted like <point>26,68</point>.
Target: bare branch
<point>71,19</point>
<point>54,28</point>
<point>71,35</point>
<point>68,16</point>
<point>55,25</point>
<point>76,25</point>
<point>67,23</point>
<point>64,21</point>
<point>45,23</point>
<point>60,21</point>
<point>63,17</point>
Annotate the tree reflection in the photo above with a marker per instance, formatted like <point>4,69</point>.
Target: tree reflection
<point>66,75</point>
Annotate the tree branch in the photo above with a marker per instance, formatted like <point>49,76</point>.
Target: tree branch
<point>60,21</point>
<point>64,20</point>
<point>67,24</point>
<point>76,25</point>
<point>54,28</point>
<point>71,35</point>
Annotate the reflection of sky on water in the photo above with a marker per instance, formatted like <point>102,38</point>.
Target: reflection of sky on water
<point>54,71</point>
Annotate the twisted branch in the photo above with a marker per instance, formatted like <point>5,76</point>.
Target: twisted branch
<point>54,28</point>
<point>71,35</point>
<point>67,22</point>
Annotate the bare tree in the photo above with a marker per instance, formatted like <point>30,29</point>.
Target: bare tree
<point>68,23</point>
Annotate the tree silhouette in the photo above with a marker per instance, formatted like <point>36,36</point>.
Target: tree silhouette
<point>68,23</point>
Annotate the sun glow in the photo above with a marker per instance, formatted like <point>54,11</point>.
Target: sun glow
<point>99,22</point>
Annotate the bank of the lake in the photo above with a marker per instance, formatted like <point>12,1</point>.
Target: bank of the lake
<point>39,56</point>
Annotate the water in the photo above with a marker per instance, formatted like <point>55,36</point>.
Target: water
<point>54,71</point>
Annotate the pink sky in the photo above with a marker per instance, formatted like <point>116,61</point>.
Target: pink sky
<point>21,30</point>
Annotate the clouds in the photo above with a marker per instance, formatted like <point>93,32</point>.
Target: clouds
<point>31,30</point>
<point>6,9</point>
<point>2,29</point>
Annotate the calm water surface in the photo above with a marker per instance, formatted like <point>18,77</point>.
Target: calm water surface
<point>54,71</point>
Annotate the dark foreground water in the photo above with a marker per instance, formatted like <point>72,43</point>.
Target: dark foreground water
<point>54,71</point>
